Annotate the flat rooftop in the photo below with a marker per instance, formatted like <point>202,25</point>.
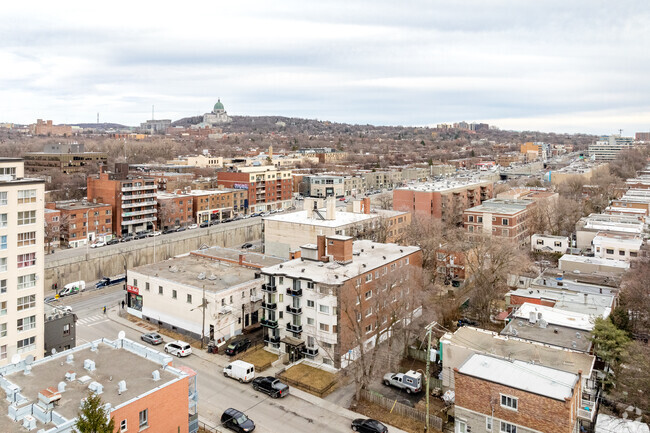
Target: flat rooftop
<point>367,255</point>
<point>196,271</point>
<point>341,218</point>
<point>250,259</point>
<point>536,379</point>
<point>110,368</point>
<point>594,260</point>
<point>595,305</point>
<point>554,316</point>
<point>78,205</point>
<point>553,335</point>
<point>501,206</point>
<point>482,340</point>
<point>444,185</point>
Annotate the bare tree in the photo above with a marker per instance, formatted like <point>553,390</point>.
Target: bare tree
<point>167,211</point>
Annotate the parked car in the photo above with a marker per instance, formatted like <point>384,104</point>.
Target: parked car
<point>238,346</point>
<point>368,426</point>
<point>411,381</point>
<point>342,199</point>
<point>97,244</point>
<point>166,231</point>
<point>72,288</point>
<point>181,229</point>
<point>178,348</point>
<point>466,322</point>
<point>247,245</point>
<point>152,338</point>
<point>265,214</point>
<point>204,224</point>
<point>127,238</point>
<point>193,226</point>
<point>240,370</point>
<point>140,235</point>
<point>109,281</point>
<point>113,241</point>
<point>271,386</point>
<point>236,420</point>
<point>156,233</point>
<point>215,222</point>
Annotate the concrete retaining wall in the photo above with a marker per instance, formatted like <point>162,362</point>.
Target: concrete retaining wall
<point>92,264</point>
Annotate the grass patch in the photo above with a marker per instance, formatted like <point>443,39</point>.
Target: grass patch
<point>313,380</point>
<point>260,358</point>
<point>382,414</point>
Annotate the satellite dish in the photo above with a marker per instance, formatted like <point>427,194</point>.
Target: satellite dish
<point>121,335</point>
<point>29,360</point>
<point>15,359</point>
<point>53,351</point>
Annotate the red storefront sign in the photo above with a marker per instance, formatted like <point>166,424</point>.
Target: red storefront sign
<point>132,289</point>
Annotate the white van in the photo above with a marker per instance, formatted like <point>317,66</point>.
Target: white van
<point>72,288</point>
<point>240,370</point>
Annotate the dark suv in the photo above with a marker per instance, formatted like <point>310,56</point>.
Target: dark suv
<point>237,421</point>
<point>238,346</point>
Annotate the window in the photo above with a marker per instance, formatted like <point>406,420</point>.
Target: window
<point>189,299</point>
<point>3,351</point>
<point>368,278</point>
<point>66,329</point>
<point>135,282</point>
<point>26,260</point>
<point>488,423</point>
<point>310,321</point>
<point>541,242</point>
<point>26,196</point>
<point>369,329</point>
<point>144,418</point>
<point>358,317</point>
<point>243,294</point>
<point>25,239</point>
<point>470,219</point>
<point>3,308</point>
<point>310,304</point>
<point>26,302</point>
<point>3,242</point>
<point>369,312</point>
<point>27,217</point>
<point>358,282</point>
<point>324,309</point>
<point>3,330</point>
<point>504,221</point>
<point>3,264</point>
<point>3,221</point>
<point>324,327</point>
<point>3,286</point>
<point>633,254</point>
<point>231,299</point>
<point>368,294</point>
<point>173,294</point>
<point>610,251</point>
<point>123,426</point>
<point>620,252</point>
<point>27,344</point>
<point>508,402</point>
<point>479,219</point>
<point>507,428</point>
<point>146,286</point>
<point>26,281</point>
<point>3,198</point>
<point>160,290</point>
<point>558,243</point>
<point>376,274</point>
<point>26,323</point>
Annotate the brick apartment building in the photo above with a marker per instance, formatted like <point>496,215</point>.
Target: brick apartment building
<point>443,200</point>
<point>340,294</point>
<point>451,263</point>
<point>132,199</point>
<point>500,218</point>
<point>499,395</point>
<point>268,188</point>
<point>83,222</point>
<point>139,386</point>
<point>48,128</point>
<point>52,228</point>
<point>174,209</point>
<point>217,204</point>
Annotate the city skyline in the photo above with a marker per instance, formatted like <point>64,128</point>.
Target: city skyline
<point>559,67</point>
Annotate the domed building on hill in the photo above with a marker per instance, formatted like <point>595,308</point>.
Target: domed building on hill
<point>218,116</point>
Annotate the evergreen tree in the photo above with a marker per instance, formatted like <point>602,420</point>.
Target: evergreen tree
<point>610,344</point>
<point>93,418</point>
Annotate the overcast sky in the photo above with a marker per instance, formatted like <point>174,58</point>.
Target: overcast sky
<point>564,66</point>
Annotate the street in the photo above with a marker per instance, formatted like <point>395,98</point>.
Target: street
<point>299,412</point>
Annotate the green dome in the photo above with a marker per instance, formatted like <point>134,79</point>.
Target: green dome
<point>218,105</point>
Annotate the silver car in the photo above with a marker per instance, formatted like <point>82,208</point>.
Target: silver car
<point>152,338</point>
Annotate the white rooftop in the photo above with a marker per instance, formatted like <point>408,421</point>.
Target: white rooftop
<point>443,185</point>
<point>556,316</point>
<point>533,378</point>
<point>594,260</point>
<point>342,218</point>
<point>595,305</point>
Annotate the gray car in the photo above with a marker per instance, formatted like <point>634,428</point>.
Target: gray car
<point>152,338</point>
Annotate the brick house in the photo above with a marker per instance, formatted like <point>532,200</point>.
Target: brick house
<point>83,222</point>
<point>498,395</point>
<point>52,228</point>
<point>216,204</point>
<point>267,187</point>
<point>502,218</point>
<point>174,209</point>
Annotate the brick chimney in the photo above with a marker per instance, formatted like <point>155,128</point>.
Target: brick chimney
<point>340,248</point>
<point>320,243</point>
<point>241,259</point>
<point>366,205</point>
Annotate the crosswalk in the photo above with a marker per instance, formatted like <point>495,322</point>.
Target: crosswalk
<point>91,320</point>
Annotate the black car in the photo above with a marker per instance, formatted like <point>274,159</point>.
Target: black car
<point>238,346</point>
<point>141,235</point>
<point>214,222</point>
<point>237,421</point>
<point>181,229</point>
<point>271,386</point>
<point>247,245</point>
<point>204,225</point>
<point>368,426</point>
<point>126,238</point>
<point>166,231</point>
<point>466,322</point>
<point>113,241</point>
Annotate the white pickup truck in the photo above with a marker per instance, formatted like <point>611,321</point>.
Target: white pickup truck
<point>411,381</point>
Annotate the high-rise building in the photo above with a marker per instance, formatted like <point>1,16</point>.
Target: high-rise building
<point>608,147</point>
<point>22,226</point>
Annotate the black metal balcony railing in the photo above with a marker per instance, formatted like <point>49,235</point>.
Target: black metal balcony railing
<point>269,305</point>
<point>294,292</point>
<point>269,323</point>
<point>294,310</point>
<point>310,351</point>
<point>272,340</point>
<point>294,328</point>
<point>271,288</point>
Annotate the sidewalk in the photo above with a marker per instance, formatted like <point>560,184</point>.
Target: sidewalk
<point>221,361</point>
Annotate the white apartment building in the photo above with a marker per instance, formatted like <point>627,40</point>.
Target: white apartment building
<point>608,147</point>
<point>22,227</point>
<point>616,246</point>
<point>549,244</point>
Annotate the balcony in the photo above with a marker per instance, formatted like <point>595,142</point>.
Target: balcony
<point>139,188</point>
<point>294,328</point>
<point>310,352</point>
<point>269,288</point>
<point>256,297</point>
<point>139,212</point>
<point>269,323</point>
<point>585,414</point>
<point>138,221</point>
<point>271,340</point>
<point>294,310</point>
<point>269,305</point>
<point>294,292</point>
<point>139,204</point>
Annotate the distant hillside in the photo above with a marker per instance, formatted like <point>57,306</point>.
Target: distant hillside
<point>188,121</point>
<point>102,126</point>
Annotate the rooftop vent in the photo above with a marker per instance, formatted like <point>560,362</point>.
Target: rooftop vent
<point>201,276</point>
<point>89,364</point>
<point>69,359</point>
<point>96,387</point>
<point>93,347</point>
<point>155,375</point>
<point>61,387</point>
<point>121,387</point>
<point>70,376</point>
<point>29,422</point>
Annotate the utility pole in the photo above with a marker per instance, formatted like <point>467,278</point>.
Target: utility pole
<point>203,305</point>
<point>428,328</point>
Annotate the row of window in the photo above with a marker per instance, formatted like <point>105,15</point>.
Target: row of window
<point>24,196</point>
<point>479,219</point>
<point>24,218</point>
<point>24,282</point>
<point>24,261</point>
<point>384,271</point>
<point>143,421</point>
<point>161,291</point>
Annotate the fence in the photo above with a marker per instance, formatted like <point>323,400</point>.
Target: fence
<point>401,409</point>
<point>318,392</point>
